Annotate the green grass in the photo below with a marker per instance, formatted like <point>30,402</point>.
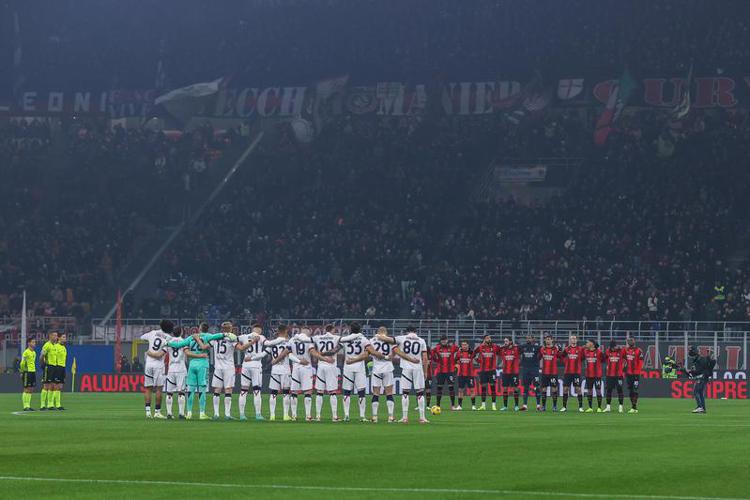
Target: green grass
<point>663,451</point>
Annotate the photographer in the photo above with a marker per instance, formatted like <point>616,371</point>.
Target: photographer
<point>701,370</point>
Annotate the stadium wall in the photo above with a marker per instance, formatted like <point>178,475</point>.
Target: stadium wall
<point>726,384</point>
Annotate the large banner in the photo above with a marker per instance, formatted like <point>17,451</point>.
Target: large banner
<point>726,384</point>
<point>464,98</point>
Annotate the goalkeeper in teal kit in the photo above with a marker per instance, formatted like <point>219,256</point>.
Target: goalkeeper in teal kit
<point>197,376</point>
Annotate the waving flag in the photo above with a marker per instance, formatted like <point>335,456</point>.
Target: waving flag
<point>618,98</point>
<point>682,108</point>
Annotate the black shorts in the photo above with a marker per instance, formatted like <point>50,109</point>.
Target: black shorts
<point>573,379</point>
<point>487,377</point>
<point>529,378</point>
<point>443,378</point>
<point>549,380</point>
<point>58,374</point>
<point>510,380</point>
<point>614,382</point>
<point>632,381</point>
<point>465,382</point>
<point>594,382</point>
<point>28,379</point>
<point>48,375</point>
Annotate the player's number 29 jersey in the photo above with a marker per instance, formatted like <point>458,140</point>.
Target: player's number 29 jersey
<point>381,365</point>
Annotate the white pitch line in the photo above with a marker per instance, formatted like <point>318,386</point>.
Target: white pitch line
<point>362,489</point>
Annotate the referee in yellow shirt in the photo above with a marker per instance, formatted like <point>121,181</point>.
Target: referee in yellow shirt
<point>49,359</point>
<point>61,356</point>
<point>28,374</point>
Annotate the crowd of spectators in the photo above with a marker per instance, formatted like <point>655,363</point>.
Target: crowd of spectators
<point>304,41</point>
<point>72,213</point>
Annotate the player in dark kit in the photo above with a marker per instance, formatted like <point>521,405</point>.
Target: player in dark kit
<point>549,354</point>
<point>511,356</point>
<point>530,371</point>
<point>615,364</point>
<point>633,364</point>
<point>443,358</point>
<point>593,359</point>
<point>465,371</point>
<point>486,355</point>
<point>573,359</point>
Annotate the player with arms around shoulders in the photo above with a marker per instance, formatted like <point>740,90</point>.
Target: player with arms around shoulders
<point>572,357</point>
<point>251,375</point>
<point>225,372</point>
<point>530,371</point>
<point>633,363</point>
<point>153,366</point>
<point>548,355</point>
<point>324,350</point>
<point>593,358</point>
<point>355,347</point>
<point>615,366</point>
<point>58,373</point>
<point>443,358</point>
<point>465,373</point>
<point>382,373</point>
<point>280,351</point>
<point>511,356</point>
<point>197,375</point>
<point>414,370</point>
<point>176,377</point>
<point>486,355</point>
<point>28,373</point>
<point>302,372</point>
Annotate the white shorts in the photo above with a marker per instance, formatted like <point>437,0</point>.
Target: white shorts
<point>279,381</point>
<point>327,378</point>
<point>302,378</point>
<point>354,381</point>
<point>412,379</point>
<point>223,378</point>
<point>175,382</point>
<point>153,376</point>
<point>382,380</point>
<point>251,377</point>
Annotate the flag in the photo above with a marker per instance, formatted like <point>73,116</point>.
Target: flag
<point>73,370</point>
<point>325,89</point>
<point>683,106</point>
<point>23,323</point>
<point>118,333</point>
<point>187,102</point>
<point>618,98</point>
<point>160,82</point>
<point>18,77</point>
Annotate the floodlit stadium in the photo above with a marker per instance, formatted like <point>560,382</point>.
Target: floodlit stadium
<point>398,249</point>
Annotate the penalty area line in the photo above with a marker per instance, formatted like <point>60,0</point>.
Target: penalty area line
<point>362,489</point>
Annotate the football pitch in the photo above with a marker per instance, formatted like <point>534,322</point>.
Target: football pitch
<point>103,447</point>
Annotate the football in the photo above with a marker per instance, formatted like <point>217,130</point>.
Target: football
<point>436,410</point>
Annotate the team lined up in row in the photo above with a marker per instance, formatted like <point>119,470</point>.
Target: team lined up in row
<point>293,375</point>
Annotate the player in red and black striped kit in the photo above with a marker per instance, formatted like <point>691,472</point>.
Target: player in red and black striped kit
<point>615,364</point>
<point>443,358</point>
<point>486,355</point>
<point>633,364</point>
<point>593,359</point>
<point>549,354</point>
<point>511,356</point>
<point>572,357</point>
<point>465,371</point>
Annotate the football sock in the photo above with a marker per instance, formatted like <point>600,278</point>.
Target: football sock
<point>227,405</point>
<point>389,403</point>
<point>318,405</point>
<point>169,404</point>
<point>515,397</point>
<point>347,399</point>
<point>334,401</point>
<point>362,406</point>
<point>257,401</point>
<point>190,397</point>
<point>272,405</point>
<point>565,400</point>
<point>405,406</point>
<point>181,404</point>
<point>452,395</point>
<point>293,407</point>
<point>505,399</point>
<point>580,400</point>
<point>202,401</point>
<point>375,405</point>
<point>308,406</point>
<point>421,405</point>
<point>243,402</point>
<point>148,409</point>
<point>216,404</point>
<point>286,402</point>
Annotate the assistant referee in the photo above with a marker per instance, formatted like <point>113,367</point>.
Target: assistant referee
<point>28,374</point>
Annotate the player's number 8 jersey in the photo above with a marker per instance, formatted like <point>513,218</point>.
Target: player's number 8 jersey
<point>176,360</point>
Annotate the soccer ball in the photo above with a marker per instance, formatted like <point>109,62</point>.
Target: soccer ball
<point>436,410</point>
